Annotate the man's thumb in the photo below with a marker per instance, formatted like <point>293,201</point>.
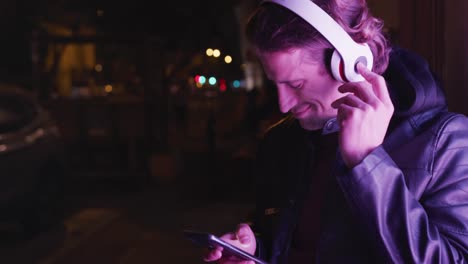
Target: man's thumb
<point>243,234</point>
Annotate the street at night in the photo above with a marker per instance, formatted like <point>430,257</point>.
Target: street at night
<point>124,124</point>
<point>116,222</point>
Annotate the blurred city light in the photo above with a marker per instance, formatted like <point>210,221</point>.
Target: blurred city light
<point>98,67</point>
<point>236,84</point>
<point>228,59</point>
<point>212,81</point>
<point>222,85</point>
<point>202,79</point>
<point>108,88</point>
<point>209,52</point>
<point>216,53</point>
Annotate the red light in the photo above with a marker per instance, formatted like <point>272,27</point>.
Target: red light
<point>222,87</point>
<point>197,78</point>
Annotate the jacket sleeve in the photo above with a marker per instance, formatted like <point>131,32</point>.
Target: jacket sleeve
<point>406,229</point>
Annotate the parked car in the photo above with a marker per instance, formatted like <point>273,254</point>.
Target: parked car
<point>32,162</point>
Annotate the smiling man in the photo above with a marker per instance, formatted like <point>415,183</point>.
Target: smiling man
<point>389,184</point>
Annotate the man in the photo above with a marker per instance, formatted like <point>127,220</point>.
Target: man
<point>366,171</point>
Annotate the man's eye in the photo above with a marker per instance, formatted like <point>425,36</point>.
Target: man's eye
<point>295,85</point>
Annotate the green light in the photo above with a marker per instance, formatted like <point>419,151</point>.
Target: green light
<point>202,79</point>
<point>236,84</point>
<point>212,80</point>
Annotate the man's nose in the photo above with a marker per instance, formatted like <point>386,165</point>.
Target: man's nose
<point>287,99</point>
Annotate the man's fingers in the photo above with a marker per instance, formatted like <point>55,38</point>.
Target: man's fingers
<point>366,73</point>
<point>361,90</point>
<point>213,255</point>
<point>378,83</point>
<point>343,113</point>
<point>244,233</point>
<point>350,100</point>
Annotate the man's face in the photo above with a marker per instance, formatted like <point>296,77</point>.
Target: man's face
<point>304,87</point>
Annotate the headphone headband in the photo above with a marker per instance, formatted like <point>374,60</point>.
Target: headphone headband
<point>350,51</point>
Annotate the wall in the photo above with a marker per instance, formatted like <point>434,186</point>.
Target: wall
<point>386,10</point>
<point>456,54</point>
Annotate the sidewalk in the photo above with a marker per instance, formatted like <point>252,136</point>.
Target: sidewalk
<point>114,219</point>
<point>146,228</point>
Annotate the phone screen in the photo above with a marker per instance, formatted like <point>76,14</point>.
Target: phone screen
<point>211,241</point>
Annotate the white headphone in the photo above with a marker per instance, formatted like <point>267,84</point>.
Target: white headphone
<point>347,52</point>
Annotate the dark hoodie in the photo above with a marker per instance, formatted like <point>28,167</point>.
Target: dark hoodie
<point>406,202</point>
<point>413,87</point>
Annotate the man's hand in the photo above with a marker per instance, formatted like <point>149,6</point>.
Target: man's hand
<point>363,115</point>
<point>242,238</point>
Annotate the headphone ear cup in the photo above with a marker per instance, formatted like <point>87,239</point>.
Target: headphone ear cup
<point>337,67</point>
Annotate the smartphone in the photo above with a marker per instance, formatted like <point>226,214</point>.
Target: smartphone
<point>211,241</point>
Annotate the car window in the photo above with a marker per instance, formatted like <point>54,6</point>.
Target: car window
<point>15,112</point>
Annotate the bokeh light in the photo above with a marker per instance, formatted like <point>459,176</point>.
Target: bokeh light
<point>202,79</point>
<point>212,80</point>
<point>108,88</point>
<point>98,67</point>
